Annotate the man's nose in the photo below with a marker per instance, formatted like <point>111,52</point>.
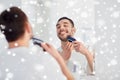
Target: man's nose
<point>62,27</point>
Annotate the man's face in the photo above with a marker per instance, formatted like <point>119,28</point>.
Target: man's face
<point>64,29</point>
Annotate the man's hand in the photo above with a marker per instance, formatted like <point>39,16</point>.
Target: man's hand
<point>79,47</point>
<point>50,49</point>
<point>67,49</point>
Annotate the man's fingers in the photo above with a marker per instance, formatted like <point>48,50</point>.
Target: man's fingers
<point>44,46</point>
<point>68,46</point>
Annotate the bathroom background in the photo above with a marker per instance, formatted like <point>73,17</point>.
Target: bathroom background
<point>97,23</point>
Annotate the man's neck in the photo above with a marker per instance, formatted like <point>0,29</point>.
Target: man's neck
<point>63,43</point>
<point>18,43</point>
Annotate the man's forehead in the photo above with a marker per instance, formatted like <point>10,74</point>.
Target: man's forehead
<point>64,21</point>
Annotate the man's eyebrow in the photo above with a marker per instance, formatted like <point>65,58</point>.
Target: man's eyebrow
<point>57,24</point>
<point>63,22</point>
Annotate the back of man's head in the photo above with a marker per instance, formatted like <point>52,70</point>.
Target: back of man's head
<point>12,23</point>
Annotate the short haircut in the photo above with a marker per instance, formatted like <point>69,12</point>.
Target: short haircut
<point>67,19</point>
<point>12,23</point>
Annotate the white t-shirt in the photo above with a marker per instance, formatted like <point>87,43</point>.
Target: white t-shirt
<point>78,65</point>
<point>22,64</point>
<point>3,42</point>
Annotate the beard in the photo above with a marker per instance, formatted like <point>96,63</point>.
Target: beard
<point>63,39</point>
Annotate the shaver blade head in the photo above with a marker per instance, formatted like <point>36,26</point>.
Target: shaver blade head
<point>71,39</point>
<point>37,41</point>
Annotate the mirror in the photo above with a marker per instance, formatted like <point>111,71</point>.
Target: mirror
<point>97,24</point>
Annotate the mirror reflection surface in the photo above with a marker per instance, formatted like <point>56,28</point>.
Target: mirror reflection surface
<point>97,27</point>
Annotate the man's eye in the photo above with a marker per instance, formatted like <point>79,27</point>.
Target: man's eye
<point>58,27</point>
<point>65,25</point>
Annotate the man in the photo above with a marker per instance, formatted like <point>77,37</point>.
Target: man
<point>3,42</point>
<point>18,62</point>
<point>75,61</point>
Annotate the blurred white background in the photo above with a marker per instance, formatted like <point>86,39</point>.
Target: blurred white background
<point>97,23</point>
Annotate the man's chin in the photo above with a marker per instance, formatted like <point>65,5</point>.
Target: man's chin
<point>64,40</point>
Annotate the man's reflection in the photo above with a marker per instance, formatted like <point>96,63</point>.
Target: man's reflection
<point>78,58</point>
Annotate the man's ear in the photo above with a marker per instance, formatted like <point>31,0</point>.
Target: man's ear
<point>73,30</point>
<point>28,27</point>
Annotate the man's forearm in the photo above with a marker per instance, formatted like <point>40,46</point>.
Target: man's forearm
<point>90,60</point>
<point>64,68</point>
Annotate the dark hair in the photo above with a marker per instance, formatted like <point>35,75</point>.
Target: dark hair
<point>67,19</point>
<point>12,22</point>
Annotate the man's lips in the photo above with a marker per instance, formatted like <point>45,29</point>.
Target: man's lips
<point>62,33</point>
